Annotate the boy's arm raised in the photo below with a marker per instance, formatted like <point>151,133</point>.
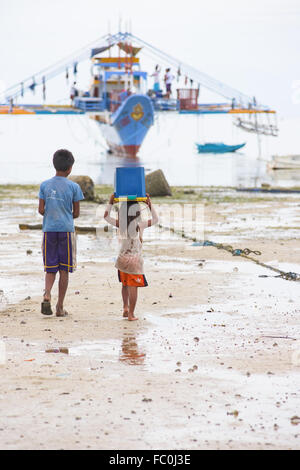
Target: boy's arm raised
<point>107,212</point>
<point>154,219</point>
<point>154,215</point>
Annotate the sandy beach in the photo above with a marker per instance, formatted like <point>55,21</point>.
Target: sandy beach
<point>212,363</point>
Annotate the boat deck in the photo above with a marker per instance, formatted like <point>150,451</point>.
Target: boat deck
<point>224,109</point>
<point>88,105</point>
<point>40,109</point>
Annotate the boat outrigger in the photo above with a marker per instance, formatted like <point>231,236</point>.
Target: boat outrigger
<point>257,128</point>
<point>119,98</point>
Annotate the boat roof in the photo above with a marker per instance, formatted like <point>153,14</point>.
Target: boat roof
<point>116,60</point>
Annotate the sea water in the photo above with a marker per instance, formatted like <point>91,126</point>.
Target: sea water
<point>27,144</point>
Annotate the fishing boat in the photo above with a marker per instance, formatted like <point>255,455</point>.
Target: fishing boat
<point>120,107</point>
<point>285,162</point>
<point>119,98</point>
<point>218,147</point>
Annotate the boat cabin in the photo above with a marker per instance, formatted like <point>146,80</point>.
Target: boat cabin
<point>113,80</point>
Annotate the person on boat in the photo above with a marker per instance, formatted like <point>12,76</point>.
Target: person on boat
<point>156,75</point>
<point>11,105</point>
<point>129,91</point>
<point>169,77</point>
<point>130,264</point>
<point>73,92</point>
<point>124,94</point>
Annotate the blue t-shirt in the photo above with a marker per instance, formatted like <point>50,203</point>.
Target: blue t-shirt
<point>59,193</point>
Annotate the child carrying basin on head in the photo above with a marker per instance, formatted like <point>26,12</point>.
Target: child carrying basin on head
<point>130,263</point>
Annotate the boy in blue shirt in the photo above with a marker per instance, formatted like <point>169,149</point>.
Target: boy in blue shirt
<point>59,201</point>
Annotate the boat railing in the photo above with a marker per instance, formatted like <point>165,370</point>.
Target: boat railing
<point>116,98</point>
<point>89,104</point>
<point>165,104</point>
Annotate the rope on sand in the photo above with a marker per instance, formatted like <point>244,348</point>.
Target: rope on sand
<point>244,253</point>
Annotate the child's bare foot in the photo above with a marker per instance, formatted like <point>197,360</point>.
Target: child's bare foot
<point>125,313</point>
<point>60,312</point>
<point>131,317</point>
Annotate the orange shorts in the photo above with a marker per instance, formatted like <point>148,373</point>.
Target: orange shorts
<point>132,280</point>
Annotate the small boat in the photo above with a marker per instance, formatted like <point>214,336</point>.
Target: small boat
<point>218,147</point>
<point>285,162</point>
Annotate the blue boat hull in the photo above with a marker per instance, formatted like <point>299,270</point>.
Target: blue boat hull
<point>218,148</point>
<point>129,125</point>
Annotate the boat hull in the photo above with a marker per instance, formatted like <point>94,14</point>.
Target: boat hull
<point>129,126</point>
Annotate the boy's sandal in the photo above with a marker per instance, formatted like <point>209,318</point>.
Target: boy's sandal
<point>46,308</point>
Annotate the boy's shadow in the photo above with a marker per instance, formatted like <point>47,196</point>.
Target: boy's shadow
<point>130,352</point>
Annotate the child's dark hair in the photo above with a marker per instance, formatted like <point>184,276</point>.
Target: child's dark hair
<point>63,160</point>
<point>129,211</point>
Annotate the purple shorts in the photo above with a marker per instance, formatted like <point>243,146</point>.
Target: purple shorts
<point>59,252</point>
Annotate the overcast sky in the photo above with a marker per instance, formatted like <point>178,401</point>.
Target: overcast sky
<point>251,45</point>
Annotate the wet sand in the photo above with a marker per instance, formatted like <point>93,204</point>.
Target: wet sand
<point>212,363</point>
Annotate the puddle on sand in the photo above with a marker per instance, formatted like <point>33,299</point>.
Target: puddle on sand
<point>160,349</point>
<point>104,350</point>
<point>127,351</point>
<point>171,264</point>
<point>186,335</point>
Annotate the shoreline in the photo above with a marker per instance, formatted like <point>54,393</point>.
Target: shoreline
<point>211,364</point>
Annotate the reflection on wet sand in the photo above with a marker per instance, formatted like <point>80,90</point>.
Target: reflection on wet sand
<point>130,352</point>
